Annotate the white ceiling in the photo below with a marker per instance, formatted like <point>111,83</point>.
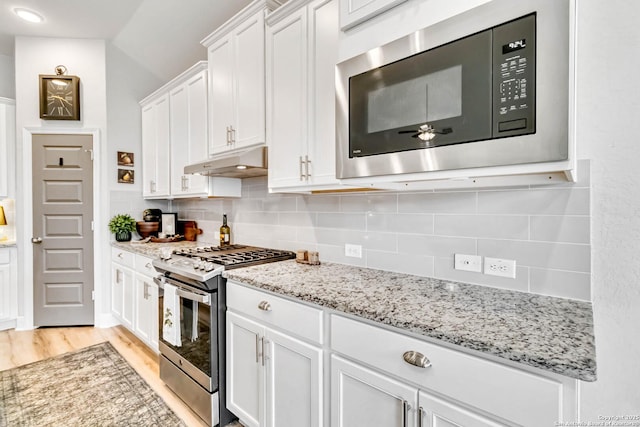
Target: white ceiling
<point>163,36</point>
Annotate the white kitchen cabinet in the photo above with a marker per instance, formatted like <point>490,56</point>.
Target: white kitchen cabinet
<point>362,397</point>
<point>8,288</point>
<point>146,303</point>
<point>122,286</point>
<point>353,12</point>
<point>470,391</point>
<point>134,295</point>
<point>155,147</point>
<point>302,50</point>
<point>7,145</point>
<point>235,54</point>
<point>188,127</point>
<point>273,377</point>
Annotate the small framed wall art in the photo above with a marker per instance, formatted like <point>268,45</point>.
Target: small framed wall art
<point>125,176</point>
<point>125,159</point>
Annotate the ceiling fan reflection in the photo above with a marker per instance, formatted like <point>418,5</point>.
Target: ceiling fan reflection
<point>426,132</point>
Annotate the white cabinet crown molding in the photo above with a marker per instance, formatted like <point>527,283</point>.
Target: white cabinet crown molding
<point>285,10</point>
<point>175,82</point>
<point>239,18</point>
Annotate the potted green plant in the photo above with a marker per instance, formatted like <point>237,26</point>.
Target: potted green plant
<point>122,225</point>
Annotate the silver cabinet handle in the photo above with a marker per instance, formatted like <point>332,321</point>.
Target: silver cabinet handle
<point>120,255</point>
<point>301,173</point>
<point>405,413</point>
<point>36,240</point>
<point>233,135</point>
<point>263,342</point>
<point>257,348</point>
<point>264,306</point>
<point>416,359</point>
<point>146,291</point>
<point>420,415</point>
<point>306,162</point>
<point>228,135</point>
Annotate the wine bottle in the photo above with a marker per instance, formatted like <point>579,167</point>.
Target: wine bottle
<point>225,232</point>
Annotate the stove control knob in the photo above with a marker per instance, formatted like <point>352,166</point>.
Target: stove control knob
<point>208,266</point>
<point>198,265</point>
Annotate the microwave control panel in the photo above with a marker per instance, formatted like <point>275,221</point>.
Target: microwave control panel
<point>514,66</point>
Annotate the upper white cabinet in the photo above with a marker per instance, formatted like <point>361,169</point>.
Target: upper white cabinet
<point>188,123</point>
<point>235,53</point>
<point>155,146</point>
<point>174,135</point>
<point>7,145</point>
<point>302,50</point>
<point>353,12</point>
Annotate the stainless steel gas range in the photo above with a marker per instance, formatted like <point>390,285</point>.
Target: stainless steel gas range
<point>192,306</point>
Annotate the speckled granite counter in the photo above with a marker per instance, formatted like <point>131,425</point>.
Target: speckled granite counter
<point>152,249</point>
<point>549,333</point>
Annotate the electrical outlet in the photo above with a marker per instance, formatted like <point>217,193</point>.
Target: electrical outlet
<point>467,262</point>
<point>500,267</point>
<point>354,251</point>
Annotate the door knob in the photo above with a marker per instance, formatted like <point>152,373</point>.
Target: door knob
<point>36,240</point>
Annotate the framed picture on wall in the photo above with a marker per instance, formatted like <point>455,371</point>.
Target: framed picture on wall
<point>125,159</point>
<point>125,176</point>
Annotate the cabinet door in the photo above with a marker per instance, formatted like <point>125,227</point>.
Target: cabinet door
<point>149,153</point>
<point>7,146</point>
<point>179,127</point>
<point>364,398</point>
<point>354,12</point>
<point>249,86</point>
<point>221,83</point>
<point>436,412</point>
<point>197,125</point>
<point>8,288</point>
<point>162,147</point>
<point>287,100</point>
<point>244,369</point>
<point>128,298</point>
<point>323,56</point>
<point>293,382</point>
<point>146,310</point>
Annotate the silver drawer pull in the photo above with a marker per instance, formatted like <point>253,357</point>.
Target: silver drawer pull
<point>264,305</point>
<point>148,265</point>
<point>417,359</point>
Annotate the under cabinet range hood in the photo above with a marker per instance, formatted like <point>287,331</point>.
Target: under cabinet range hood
<point>247,163</point>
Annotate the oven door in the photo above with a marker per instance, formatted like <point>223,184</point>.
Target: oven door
<point>197,355</point>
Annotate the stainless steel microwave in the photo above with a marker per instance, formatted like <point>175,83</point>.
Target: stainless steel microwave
<point>487,88</point>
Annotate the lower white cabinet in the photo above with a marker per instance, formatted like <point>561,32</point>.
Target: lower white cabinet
<point>364,398</point>
<point>8,288</point>
<point>273,378</point>
<point>134,295</point>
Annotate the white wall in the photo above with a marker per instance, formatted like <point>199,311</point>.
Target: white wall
<point>608,127</point>
<point>7,77</point>
<point>86,59</point>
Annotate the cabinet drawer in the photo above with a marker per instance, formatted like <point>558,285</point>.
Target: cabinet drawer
<point>299,319</point>
<point>123,257</point>
<point>144,265</point>
<point>514,395</point>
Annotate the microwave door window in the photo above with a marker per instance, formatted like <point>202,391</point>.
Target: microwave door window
<point>434,98</point>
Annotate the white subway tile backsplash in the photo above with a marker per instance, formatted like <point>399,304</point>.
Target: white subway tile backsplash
<point>544,228</point>
<point>435,245</point>
<point>557,201</point>
<point>338,220</point>
<point>560,256</point>
<point>428,202</point>
<point>568,229</point>
<point>419,265</point>
<point>488,226</point>
<point>369,203</point>
<point>400,223</point>
<point>564,284</point>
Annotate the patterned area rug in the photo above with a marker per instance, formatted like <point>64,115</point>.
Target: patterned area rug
<point>94,386</point>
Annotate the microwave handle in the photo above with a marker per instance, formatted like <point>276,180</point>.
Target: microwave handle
<point>204,299</point>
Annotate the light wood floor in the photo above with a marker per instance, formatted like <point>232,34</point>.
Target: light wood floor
<point>21,347</point>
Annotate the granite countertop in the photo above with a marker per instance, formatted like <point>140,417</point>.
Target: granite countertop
<point>151,249</point>
<point>550,333</point>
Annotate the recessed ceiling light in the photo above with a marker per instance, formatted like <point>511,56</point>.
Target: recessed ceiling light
<point>28,15</point>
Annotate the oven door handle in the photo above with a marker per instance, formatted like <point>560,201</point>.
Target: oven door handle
<point>204,299</point>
